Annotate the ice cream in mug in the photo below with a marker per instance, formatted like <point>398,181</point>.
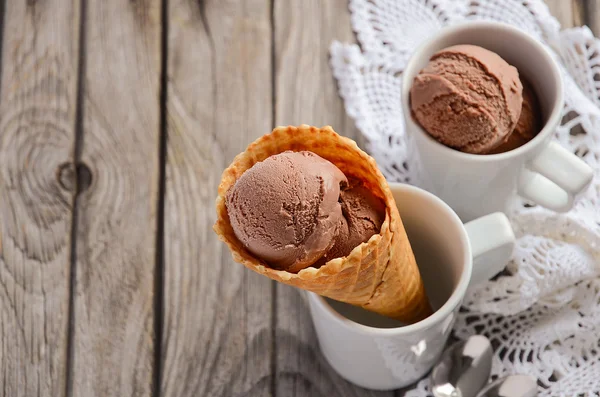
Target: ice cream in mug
<point>470,99</point>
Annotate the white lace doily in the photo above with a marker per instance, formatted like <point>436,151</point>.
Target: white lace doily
<point>543,316</point>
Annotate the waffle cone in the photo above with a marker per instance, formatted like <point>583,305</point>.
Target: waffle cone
<point>380,275</point>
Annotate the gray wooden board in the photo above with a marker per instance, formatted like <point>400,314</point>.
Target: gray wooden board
<point>572,13</point>
<point>235,69</point>
<point>591,12</point>
<point>37,122</point>
<point>113,336</point>
<point>306,92</point>
<point>217,338</point>
<point>564,11</point>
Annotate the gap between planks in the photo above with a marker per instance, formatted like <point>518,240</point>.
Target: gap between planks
<point>160,218</point>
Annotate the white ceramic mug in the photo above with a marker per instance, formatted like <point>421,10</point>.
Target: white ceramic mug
<point>376,352</point>
<point>474,185</point>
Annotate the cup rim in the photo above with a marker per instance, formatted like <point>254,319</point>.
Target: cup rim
<point>439,315</point>
<point>546,131</point>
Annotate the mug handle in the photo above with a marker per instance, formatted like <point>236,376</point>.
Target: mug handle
<point>492,243</point>
<point>556,177</point>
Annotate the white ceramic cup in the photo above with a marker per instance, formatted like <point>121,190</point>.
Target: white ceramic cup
<point>376,352</point>
<point>474,185</point>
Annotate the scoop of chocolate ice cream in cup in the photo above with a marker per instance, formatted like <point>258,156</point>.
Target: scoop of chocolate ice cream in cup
<point>462,98</point>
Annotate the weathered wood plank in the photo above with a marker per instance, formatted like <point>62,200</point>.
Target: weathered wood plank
<point>564,11</point>
<point>306,89</point>
<point>116,216</point>
<point>306,92</point>
<point>37,135</point>
<point>592,15</point>
<point>578,7</point>
<point>217,314</point>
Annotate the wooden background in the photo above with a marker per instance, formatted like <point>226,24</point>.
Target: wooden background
<point>116,120</point>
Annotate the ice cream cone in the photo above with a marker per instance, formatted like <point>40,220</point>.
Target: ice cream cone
<point>380,275</point>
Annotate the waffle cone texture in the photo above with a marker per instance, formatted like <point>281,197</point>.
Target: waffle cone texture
<point>380,275</point>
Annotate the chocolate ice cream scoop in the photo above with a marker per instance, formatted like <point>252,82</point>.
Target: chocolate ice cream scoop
<point>467,98</point>
<point>285,209</point>
<point>529,124</point>
<point>363,213</point>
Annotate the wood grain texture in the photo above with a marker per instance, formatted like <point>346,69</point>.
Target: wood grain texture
<point>563,10</point>
<point>116,216</point>
<point>306,92</point>
<point>217,314</point>
<point>578,7</point>
<point>37,135</point>
<point>592,15</point>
